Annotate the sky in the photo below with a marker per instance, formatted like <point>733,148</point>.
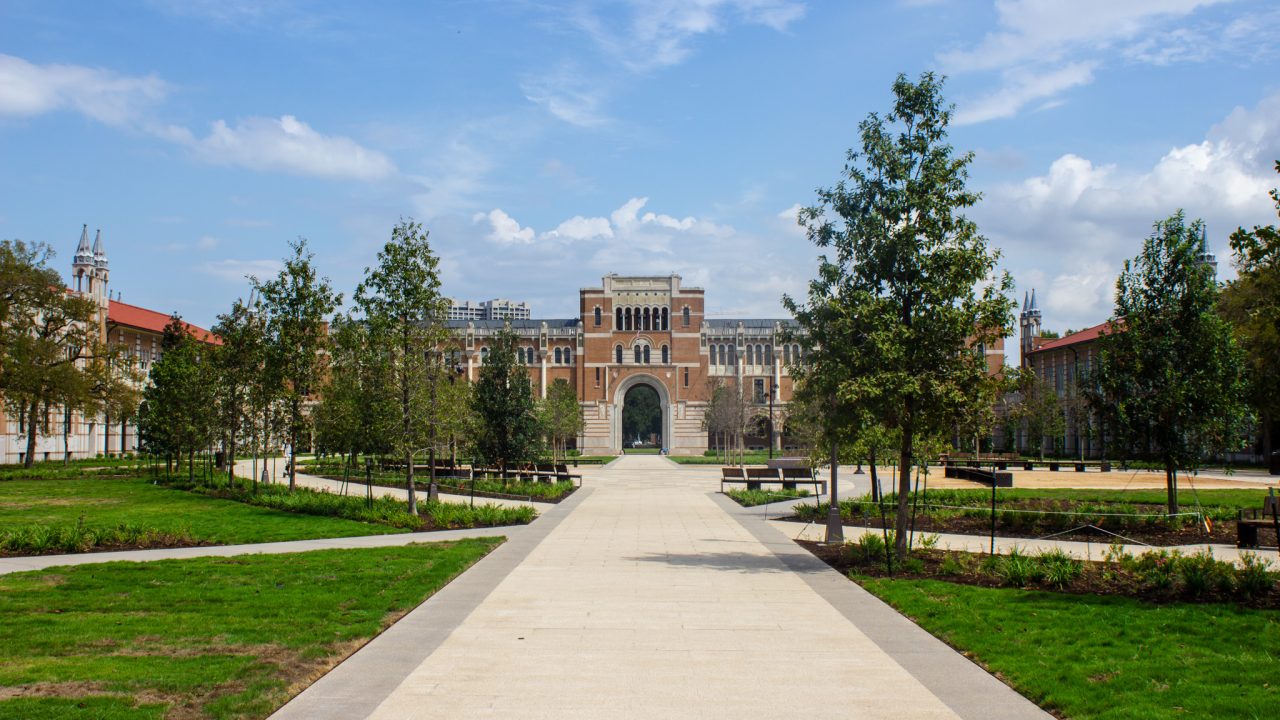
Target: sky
<point>545,144</point>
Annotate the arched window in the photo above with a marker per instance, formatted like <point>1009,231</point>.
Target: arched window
<point>628,318</point>
<point>528,355</point>
<point>768,355</point>
<point>733,354</point>
<point>795,353</point>
<point>715,355</point>
<point>639,354</point>
<point>484,355</point>
<point>685,314</point>
<point>646,355</point>
<point>617,320</point>
<point>617,354</point>
<point>598,316</point>
<point>759,354</point>
<point>666,318</point>
<point>645,319</point>
<point>666,355</point>
<point>568,356</point>
<point>559,356</point>
<point>786,354</point>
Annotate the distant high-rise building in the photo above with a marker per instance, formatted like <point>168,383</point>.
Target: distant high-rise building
<point>496,309</point>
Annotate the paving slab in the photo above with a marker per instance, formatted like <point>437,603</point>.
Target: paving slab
<point>646,597</point>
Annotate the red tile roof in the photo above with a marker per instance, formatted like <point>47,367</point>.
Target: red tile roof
<point>143,319</point>
<point>1074,338</point>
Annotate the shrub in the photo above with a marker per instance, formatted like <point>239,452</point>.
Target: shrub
<point>1253,579</point>
<point>1156,569</point>
<point>1017,570</point>
<point>868,548</point>
<point>952,564</point>
<point>1202,574</point>
<point>46,539</point>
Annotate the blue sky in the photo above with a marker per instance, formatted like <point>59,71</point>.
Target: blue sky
<point>545,144</point>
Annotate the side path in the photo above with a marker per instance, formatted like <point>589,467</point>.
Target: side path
<point>354,688</point>
<point>40,562</point>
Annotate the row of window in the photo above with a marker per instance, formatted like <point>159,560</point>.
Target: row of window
<point>727,354</point>
<point>641,354</point>
<point>561,355</point>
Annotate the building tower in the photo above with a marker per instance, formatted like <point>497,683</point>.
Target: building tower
<point>82,265</point>
<point>1029,325</point>
<point>1206,257</point>
<point>90,268</point>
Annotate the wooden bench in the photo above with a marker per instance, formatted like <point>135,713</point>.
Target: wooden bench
<point>756,477</point>
<point>987,477</point>
<point>1247,527</point>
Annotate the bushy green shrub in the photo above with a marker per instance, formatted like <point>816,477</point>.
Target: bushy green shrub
<point>1253,577</point>
<point>46,539</point>
<point>1060,569</point>
<point>1201,574</point>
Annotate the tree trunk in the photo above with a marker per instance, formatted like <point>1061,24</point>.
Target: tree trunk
<point>413,494</point>
<point>66,438</point>
<point>231,450</point>
<point>191,465</point>
<point>904,485</point>
<point>1171,482</point>
<point>31,434</point>
<point>875,478</point>
<point>293,444</point>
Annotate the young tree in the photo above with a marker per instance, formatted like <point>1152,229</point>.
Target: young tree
<point>401,302</point>
<point>560,416</point>
<point>506,419</point>
<point>1036,408</point>
<point>296,305</point>
<point>239,361</point>
<point>1251,303</point>
<point>1170,369</point>
<point>357,411</point>
<point>178,413</point>
<point>911,283</point>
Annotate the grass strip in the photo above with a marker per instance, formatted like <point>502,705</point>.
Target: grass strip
<point>1105,658</point>
<point>752,498</point>
<point>203,638</point>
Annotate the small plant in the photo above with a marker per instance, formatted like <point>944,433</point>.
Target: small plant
<point>1253,578</point>
<point>1156,569</point>
<point>1018,570</point>
<point>952,565</point>
<point>928,541</point>
<point>1060,569</point>
<point>868,548</point>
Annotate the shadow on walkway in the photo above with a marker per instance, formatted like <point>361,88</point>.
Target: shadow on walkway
<point>735,562</point>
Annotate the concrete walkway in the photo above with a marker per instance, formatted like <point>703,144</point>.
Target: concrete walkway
<point>645,596</point>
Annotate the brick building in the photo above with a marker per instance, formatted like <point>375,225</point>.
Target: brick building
<point>648,331</point>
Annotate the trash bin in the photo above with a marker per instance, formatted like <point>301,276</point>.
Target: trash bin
<point>1275,463</point>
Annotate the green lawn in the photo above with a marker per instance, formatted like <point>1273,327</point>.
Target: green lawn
<point>107,502</point>
<point>751,498</point>
<point>202,638</point>
<point>1111,658</point>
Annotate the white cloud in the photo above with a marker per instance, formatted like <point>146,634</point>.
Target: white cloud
<point>582,228</point>
<point>504,230</point>
<point>657,32</point>
<point>292,146</point>
<point>1046,30</point>
<point>207,242</point>
<point>568,95</point>
<point>1069,230</point>
<point>1042,48</point>
<point>238,270</point>
<point>1022,87</point>
<point>27,89</point>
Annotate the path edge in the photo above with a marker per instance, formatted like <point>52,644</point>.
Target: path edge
<point>968,690</point>
<point>358,685</point>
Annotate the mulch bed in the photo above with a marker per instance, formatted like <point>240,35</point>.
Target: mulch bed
<point>1155,533</point>
<point>1097,578</point>
<point>457,488</point>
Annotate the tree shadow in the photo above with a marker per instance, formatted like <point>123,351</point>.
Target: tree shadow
<point>735,562</point>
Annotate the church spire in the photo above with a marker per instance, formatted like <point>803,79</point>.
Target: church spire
<point>83,256</point>
<point>99,252</point>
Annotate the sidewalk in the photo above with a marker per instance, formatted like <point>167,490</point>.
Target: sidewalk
<point>40,562</point>
<point>647,598</point>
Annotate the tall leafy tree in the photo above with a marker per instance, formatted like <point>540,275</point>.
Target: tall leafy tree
<point>906,282</point>
<point>507,430</point>
<point>560,415</point>
<point>1170,372</point>
<point>357,409</point>
<point>1036,408</point>
<point>400,300</point>
<point>1251,303</point>
<point>296,305</point>
<point>48,338</point>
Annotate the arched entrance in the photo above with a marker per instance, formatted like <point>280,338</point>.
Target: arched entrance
<point>642,418</point>
<point>653,432</point>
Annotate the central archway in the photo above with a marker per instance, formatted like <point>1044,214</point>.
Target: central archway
<point>642,418</point>
<point>651,436</point>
